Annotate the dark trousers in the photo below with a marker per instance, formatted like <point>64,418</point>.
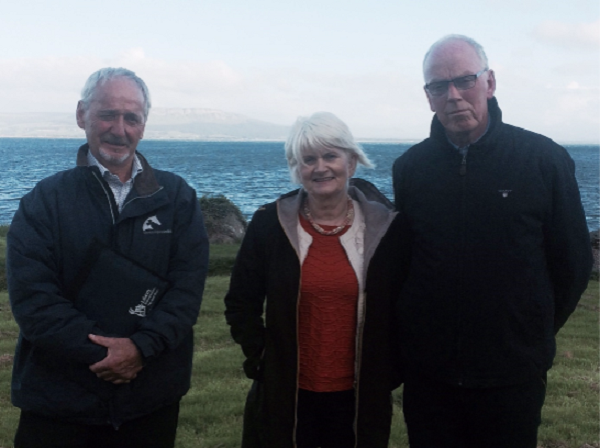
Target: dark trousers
<point>325,419</point>
<point>155,430</point>
<point>443,416</point>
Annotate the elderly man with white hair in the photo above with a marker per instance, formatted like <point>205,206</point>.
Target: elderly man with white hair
<point>106,265</point>
<point>500,256</point>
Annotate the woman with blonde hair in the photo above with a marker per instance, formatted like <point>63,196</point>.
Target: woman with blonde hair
<point>324,262</point>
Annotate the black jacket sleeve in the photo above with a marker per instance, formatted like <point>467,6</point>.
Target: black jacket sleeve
<point>567,242</point>
<point>244,301</point>
<point>46,318</point>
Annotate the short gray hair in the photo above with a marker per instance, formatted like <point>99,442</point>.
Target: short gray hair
<point>103,75</point>
<point>459,37</point>
<point>321,129</point>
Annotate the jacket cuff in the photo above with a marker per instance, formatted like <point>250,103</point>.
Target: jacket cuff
<point>144,349</point>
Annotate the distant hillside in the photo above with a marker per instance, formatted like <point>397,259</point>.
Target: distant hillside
<point>39,124</point>
<point>200,124</point>
<point>171,124</point>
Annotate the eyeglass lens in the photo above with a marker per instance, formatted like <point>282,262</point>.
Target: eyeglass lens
<point>441,87</point>
<point>462,83</point>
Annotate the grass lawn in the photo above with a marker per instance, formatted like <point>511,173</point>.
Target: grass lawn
<point>571,415</point>
<point>211,413</point>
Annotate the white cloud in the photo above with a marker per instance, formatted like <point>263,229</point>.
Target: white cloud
<point>133,54</point>
<point>565,108</point>
<point>386,103</point>
<point>572,35</point>
<point>378,104</point>
<point>54,84</point>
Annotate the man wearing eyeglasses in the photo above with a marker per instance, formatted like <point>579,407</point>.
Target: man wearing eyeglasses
<point>500,256</point>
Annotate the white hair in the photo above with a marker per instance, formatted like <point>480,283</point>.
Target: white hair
<point>320,130</point>
<point>459,37</point>
<point>103,75</point>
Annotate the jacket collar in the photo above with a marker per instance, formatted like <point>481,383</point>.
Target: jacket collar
<point>438,132</point>
<point>377,216</point>
<point>144,184</point>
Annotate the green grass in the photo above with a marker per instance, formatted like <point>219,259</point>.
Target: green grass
<point>222,257</point>
<point>211,413</point>
<point>571,412</point>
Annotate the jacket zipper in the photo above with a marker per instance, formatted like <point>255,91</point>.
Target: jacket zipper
<point>462,172</point>
<point>358,356</point>
<point>294,441</point>
<point>141,197</point>
<point>112,214</point>
<point>124,204</point>
<point>114,421</point>
<point>463,165</point>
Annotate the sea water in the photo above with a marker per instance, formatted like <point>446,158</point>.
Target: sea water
<point>248,173</point>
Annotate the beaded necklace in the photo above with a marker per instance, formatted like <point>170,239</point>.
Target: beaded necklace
<point>338,229</point>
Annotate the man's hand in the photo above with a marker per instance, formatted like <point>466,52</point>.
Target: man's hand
<point>122,363</point>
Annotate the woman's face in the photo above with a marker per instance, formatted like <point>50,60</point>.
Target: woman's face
<point>324,172</point>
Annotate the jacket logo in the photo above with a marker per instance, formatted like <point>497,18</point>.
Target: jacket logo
<point>504,193</point>
<point>147,300</point>
<point>153,225</point>
<point>150,223</point>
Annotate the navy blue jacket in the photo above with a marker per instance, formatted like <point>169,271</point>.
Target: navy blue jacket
<point>55,224</point>
<point>500,254</point>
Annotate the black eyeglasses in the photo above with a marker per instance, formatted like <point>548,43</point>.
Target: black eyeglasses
<point>439,88</point>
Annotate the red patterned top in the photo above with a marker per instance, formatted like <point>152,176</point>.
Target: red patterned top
<point>327,314</point>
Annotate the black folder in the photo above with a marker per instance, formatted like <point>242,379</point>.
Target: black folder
<point>117,292</point>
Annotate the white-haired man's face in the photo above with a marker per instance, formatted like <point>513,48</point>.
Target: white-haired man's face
<point>463,113</point>
<point>114,121</point>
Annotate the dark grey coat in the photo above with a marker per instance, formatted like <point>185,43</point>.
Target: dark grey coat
<point>267,273</point>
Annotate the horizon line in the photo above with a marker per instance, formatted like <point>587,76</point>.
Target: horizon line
<point>282,140</point>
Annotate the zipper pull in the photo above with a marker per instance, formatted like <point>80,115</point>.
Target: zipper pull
<point>463,165</point>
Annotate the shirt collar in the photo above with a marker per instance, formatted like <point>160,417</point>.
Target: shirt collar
<point>136,167</point>
<point>464,148</point>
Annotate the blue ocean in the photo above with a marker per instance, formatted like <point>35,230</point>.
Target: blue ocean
<point>248,173</point>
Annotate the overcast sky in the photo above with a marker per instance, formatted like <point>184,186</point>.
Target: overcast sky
<point>274,60</point>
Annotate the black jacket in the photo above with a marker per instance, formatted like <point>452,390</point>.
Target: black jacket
<point>47,242</point>
<point>267,273</point>
<point>500,254</point>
